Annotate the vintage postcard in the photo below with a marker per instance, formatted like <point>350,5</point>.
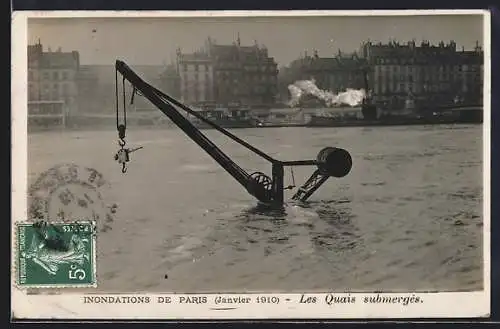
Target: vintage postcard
<point>250,165</point>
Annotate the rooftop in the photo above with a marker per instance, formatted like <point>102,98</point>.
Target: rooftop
<point>52,59</point>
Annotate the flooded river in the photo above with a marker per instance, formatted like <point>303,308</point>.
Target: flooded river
<point>408,216</point>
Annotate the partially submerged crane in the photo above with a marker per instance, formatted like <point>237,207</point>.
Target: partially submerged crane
<point>330,162</point>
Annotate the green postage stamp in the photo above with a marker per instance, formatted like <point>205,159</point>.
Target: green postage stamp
<point>56,255</point>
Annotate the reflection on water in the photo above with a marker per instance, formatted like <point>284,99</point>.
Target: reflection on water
<point>264,211</point>
<point>339,232</point>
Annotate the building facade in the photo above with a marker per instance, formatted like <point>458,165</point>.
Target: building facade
<point>52,77</point>
<point>225,75</point>
<point>93,96</point>
<point>398,75</point>
<point>425,74</point>
<point>196,77</point>
<point>97,88</point>
<point>170,81</point>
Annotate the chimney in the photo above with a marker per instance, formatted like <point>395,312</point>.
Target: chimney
<point>76,57</point>
<point>477,48</point>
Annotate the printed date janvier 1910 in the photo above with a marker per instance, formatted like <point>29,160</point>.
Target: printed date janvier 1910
<point>56,255</point>
<point>330,299</point>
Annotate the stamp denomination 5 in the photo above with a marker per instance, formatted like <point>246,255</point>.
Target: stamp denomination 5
<point>53,255</point>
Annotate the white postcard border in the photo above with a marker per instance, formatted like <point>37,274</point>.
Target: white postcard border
<point>72,305</point>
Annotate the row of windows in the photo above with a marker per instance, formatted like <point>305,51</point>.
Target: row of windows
<point>411,78</point>
<point>395,88</point>
<point>414,88</point>
<point>263,78</point>
<point>194,85</point>
<point>248,68</point>
<point>257,90</point>
<point>428,68</point>
<point>47,96</point>
<point>228,80</point>
<point>50,75</point>
<point>337,77</point>
<point>246,77</point>
<point>409,61</point>
<point>333,81</point>
<point>436,76</point>
<point>195,67</point>
<point>46,108</point>
<point>63,87</point>
<point>231,90</point>
<point>195,91</point>
<point>229,75</point>
<point>199,76</point>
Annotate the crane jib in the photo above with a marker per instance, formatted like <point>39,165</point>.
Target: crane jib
<point>331,161</point>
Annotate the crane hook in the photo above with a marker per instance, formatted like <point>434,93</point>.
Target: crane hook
<point>123,155</point>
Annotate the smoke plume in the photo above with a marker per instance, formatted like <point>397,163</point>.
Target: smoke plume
<point>351,97</point>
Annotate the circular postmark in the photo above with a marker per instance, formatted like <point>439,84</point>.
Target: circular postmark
<point>69,193</point>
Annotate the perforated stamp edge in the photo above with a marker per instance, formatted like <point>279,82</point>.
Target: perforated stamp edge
<point>15,266</point>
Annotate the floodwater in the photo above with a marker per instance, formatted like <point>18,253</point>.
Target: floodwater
<point>407,217</point>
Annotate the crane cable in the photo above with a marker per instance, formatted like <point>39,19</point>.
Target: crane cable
<point>289,187</point>
<point>120,127</point>
<point>122,154</point>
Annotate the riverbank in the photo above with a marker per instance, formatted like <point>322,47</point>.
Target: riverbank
<point>37,129</point>
<point>385,123</point>
<point>330,125</point>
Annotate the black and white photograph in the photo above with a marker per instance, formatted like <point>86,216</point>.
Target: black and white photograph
<point>264,153</point>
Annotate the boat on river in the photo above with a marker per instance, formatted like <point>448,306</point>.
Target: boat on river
<point>225,117</point>
<point>472,114</point>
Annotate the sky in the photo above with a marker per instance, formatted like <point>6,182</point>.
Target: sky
<point>152,41</point>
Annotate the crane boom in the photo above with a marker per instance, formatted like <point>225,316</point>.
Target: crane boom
<point>331,161</point>
<point>155,97</point>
